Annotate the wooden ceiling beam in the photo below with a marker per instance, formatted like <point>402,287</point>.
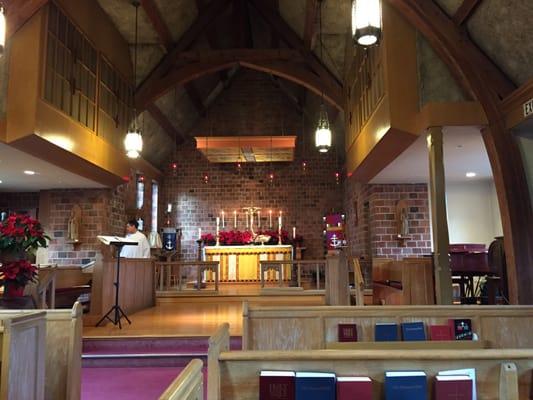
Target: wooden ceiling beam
<point>158,23</point>
<point>239,54</point>
<point>205,17</point>
<point>290,37</point>
<point>18,12</point>
<point>465,10</point>
<point>242,27</point>
<point>165,124</point>
<point>311,10</point>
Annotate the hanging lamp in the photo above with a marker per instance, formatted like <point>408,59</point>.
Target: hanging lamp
<point>366,22</point>
<point>323,132</point>
<point>133,142</point>
<point>238,165</point>
<point>3,28</point>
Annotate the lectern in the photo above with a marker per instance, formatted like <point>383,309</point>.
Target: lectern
<point>116,313</point>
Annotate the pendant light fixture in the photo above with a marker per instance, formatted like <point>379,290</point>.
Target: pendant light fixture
<point>3,29</point>
<point>205,176</point>
<point>304,149</point>
<point>174,163</point>
<point>323,132</point>
<point>366,22</point>
<point>133,142</point>
<point>238,165</point>
<point>271,171</point>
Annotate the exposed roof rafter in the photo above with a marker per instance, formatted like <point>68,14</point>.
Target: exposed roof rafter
<point>165,124</point>
<point>311,11</point>
<point>158,23</point>
<point>465,10</point>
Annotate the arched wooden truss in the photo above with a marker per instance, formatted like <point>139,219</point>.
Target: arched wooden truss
<point>480,77</point>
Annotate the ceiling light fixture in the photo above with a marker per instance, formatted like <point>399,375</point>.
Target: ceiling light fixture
<point>366,22</point>
<point>323,132</point>
<point>29,172</point>
<point>2,30</point>
<point>133,142</point>
<point>470,174</point>
<point>1,181</point>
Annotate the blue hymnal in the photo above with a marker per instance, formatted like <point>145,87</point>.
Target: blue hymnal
<point>386,333</point>
<point>315,386</point>
<point>413,331</point>
<point>405,385</point>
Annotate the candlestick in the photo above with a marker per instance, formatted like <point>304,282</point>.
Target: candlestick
<point>259,219</point>
<point>223,219</point>
<point>235,219</point>
<point>199,233</point>
<point>169,207</point>
<point>281,217</point>
<point>294,232</point>
<point>279,234</point>
<point>279,222</point>
<point>218,230</point>
<point>246,216</point>
<point>270,219</point>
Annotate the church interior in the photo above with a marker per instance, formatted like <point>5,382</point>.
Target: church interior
<point>266,199</point>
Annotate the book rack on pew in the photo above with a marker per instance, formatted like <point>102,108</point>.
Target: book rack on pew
<point>501,373</point>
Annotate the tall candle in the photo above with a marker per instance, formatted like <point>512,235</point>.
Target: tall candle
<point>223,219</point>
<point>259,219</point>
<point>279,222</point>
<point>169,207</point>
<point>199,233</point>
<point>270,219</point>
<point>246,215</point>
<point>235,219</point>
<point>294,232</point>
<point>251,220</point>
<point>280,217</point>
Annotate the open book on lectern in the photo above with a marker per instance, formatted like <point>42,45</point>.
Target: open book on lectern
<point>116,240</point>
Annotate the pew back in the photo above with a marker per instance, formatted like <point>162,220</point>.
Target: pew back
<point>23,356</point>
<point>189,385</point>
<point>304,328</point>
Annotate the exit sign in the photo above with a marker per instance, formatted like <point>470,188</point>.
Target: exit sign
<point>528,108</point>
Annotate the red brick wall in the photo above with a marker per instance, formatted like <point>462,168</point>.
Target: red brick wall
<point>20,201</point>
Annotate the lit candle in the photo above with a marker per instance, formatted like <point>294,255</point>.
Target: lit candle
<point>281,217</point>
<point>169,207</point>
<point>251,220</point>
<point>246,215</point>
<point>259,219</point>
<point>235,219</point>
<point>270,219</point>
<point>294,232</point>
<point>199,233</point>
<point>279,222</point>
<point>223,219</point>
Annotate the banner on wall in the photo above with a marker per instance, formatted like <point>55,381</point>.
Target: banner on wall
<point>334,231</point>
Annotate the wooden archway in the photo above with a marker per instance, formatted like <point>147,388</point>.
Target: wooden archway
<point>260,60</point>
<point>476,77</point>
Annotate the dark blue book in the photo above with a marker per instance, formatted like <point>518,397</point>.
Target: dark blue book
<point>315,386</point>
<point>386,332</point>
<point>413,331</point>
<point>406,385</point>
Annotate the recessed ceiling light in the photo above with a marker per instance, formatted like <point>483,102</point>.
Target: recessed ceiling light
<point>470,174</point>
<point>28,172</point>
<point>0,180</point>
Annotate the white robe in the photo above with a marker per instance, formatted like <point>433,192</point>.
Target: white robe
<point>142,250</point>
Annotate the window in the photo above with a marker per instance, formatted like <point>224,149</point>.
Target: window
<point>140,191</point>
<point>155,199</point>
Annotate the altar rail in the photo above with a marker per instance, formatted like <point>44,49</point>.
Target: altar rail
<point>500,373</point>
<point>23,356</point>
<point>305,328</point>
<point>63,338</point>
<point>297,267</point>
<point>189,385</point>
<point>169,275</point>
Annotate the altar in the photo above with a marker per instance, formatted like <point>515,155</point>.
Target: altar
<point>241,263</point>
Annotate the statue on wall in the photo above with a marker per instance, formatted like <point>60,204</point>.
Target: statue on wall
<point>74,224</point>
<point>402,219</point>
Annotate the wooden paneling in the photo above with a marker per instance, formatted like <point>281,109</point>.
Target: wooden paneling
<point>189,385</point>
<point>300,328</point>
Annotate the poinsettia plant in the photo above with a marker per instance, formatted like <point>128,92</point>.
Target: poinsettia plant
<point>208,239</point>
<point>17,273</point>
<point>235,238</point>
<point>21,233</point>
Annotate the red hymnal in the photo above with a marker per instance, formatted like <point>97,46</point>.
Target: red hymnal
<point>347,333</point>
<point>354,387</point>
<point>440,332</point>
<point>277,385</point>
<point>453,387</point>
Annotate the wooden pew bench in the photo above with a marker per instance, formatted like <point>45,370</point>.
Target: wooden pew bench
<point>189,385</point>
<point>23,355</point>
<point>316,327</point>
<point>500,373</point>
<point>62,342</point>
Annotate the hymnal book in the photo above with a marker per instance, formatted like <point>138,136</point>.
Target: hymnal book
<point>406,385</point>
<point>470,372</point>
<point>461,329</point>
<point>386,332</point>
<point>440,332</point>
<point>315,386</point>
<point>453,387</point>
<point>354,387</point>
<point>413,331</point>
<point>347,332</point>
<point>117,239</point>
<point>277,385</point>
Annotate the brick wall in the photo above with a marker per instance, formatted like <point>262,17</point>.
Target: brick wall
<point>20,201</point>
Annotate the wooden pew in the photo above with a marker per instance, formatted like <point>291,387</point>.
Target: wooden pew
<point>404,282</point>
<point>23,356</point>
<point>63,341</point>
<point>189,385</point>
<point>302,328</point>
<point>507,371</point>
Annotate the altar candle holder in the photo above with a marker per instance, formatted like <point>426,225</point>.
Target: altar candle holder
<point>270,219</point>
<point>218,231</point>
<point>279,235</point>
<point>235,219</point>
<point>223,219</point>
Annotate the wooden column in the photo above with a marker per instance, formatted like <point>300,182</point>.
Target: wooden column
<point>439,221</point>
<point>337,289</point>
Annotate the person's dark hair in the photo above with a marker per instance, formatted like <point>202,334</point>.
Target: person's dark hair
<point>134,223</point>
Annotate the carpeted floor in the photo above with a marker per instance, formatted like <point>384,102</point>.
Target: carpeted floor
<point>144,383</point>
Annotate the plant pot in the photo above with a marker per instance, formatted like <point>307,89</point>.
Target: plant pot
<point>12,291</point>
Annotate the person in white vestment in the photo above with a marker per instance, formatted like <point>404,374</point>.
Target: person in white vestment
<point>142,250</point>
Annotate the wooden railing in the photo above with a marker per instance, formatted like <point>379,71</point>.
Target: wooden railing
<point>297,267</point>
<point>169,275</point>
<point>189,385</point>
<point>218,343</point>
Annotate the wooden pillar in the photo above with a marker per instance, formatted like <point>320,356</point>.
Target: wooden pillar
<point>337,289</point>
<point>439,221</point>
